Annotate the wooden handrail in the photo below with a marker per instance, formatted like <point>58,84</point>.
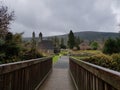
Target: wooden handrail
<point>9,67</point>
<point>24,75</point>
<point>104,78</point>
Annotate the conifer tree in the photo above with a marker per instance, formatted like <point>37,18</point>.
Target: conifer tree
<point>71,40</point>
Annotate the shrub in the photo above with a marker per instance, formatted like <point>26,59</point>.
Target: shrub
<point>116,62</point>
<point>111,46</point>
<point>112,62</point>
<point>32,54</point>
<point>94,45</point>
<point>101,59</point>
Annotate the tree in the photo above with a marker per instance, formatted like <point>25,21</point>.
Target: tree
<point>40,37</point>
<point>40,34</point>
<point>2,52</point>
<point>33,40</point>
<point>94,45</point>
<point>29,49</point>
<point>11,45</point>
<point>78,41</point>
<point>33,53</point>
<point>12,48</point>
<point>5,19</point>
<point>110,46</point>
<point>118,44</point>
<point>56,41</point>
<point>62,45</point>
<point>18,37</point>
<point>71,40</point>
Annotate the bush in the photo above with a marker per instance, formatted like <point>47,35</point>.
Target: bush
<point>101,59</point>
<point>94,45</point>
<point>112,62</point>
<point>111,46</point>
<point>116,62</point>
<point>32,54</point>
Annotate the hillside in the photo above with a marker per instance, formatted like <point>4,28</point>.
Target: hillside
<point>90,35</point>
<point>87,35</point>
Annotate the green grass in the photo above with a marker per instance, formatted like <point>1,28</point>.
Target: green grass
<point>55,58</point>
<point>64,52</point>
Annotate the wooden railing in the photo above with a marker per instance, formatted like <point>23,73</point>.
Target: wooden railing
<point>87,76</point>
<point>24,75</point>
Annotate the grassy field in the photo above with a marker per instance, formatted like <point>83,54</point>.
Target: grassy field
<point>81,54</point>
<point>64,52</point>
<point>86,51</point>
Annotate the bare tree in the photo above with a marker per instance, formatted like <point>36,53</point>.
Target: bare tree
<point>5,19</point>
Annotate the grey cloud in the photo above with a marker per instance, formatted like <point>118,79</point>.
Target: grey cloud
<point>59,16</point>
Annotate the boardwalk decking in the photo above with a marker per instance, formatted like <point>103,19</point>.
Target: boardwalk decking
<point>59,78</point>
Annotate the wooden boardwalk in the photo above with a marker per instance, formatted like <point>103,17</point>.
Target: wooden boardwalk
<point>59,79</point>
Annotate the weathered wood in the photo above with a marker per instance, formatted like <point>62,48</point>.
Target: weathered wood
<point>88,76</point>
<point>24,75</point>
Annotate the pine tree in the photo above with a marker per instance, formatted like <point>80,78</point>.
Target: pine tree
<point>33,40</point>
<point>11,44</point>
<point>40,37</point>
<point>71,40</point>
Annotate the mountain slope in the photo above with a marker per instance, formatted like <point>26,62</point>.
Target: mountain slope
<point>90,35</point>
<point>87,35</point>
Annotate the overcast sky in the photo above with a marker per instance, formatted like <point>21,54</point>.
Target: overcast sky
<point>54,17</point>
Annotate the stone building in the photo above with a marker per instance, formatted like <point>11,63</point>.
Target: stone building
<point>45,46</point>
<point>85,46</point>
